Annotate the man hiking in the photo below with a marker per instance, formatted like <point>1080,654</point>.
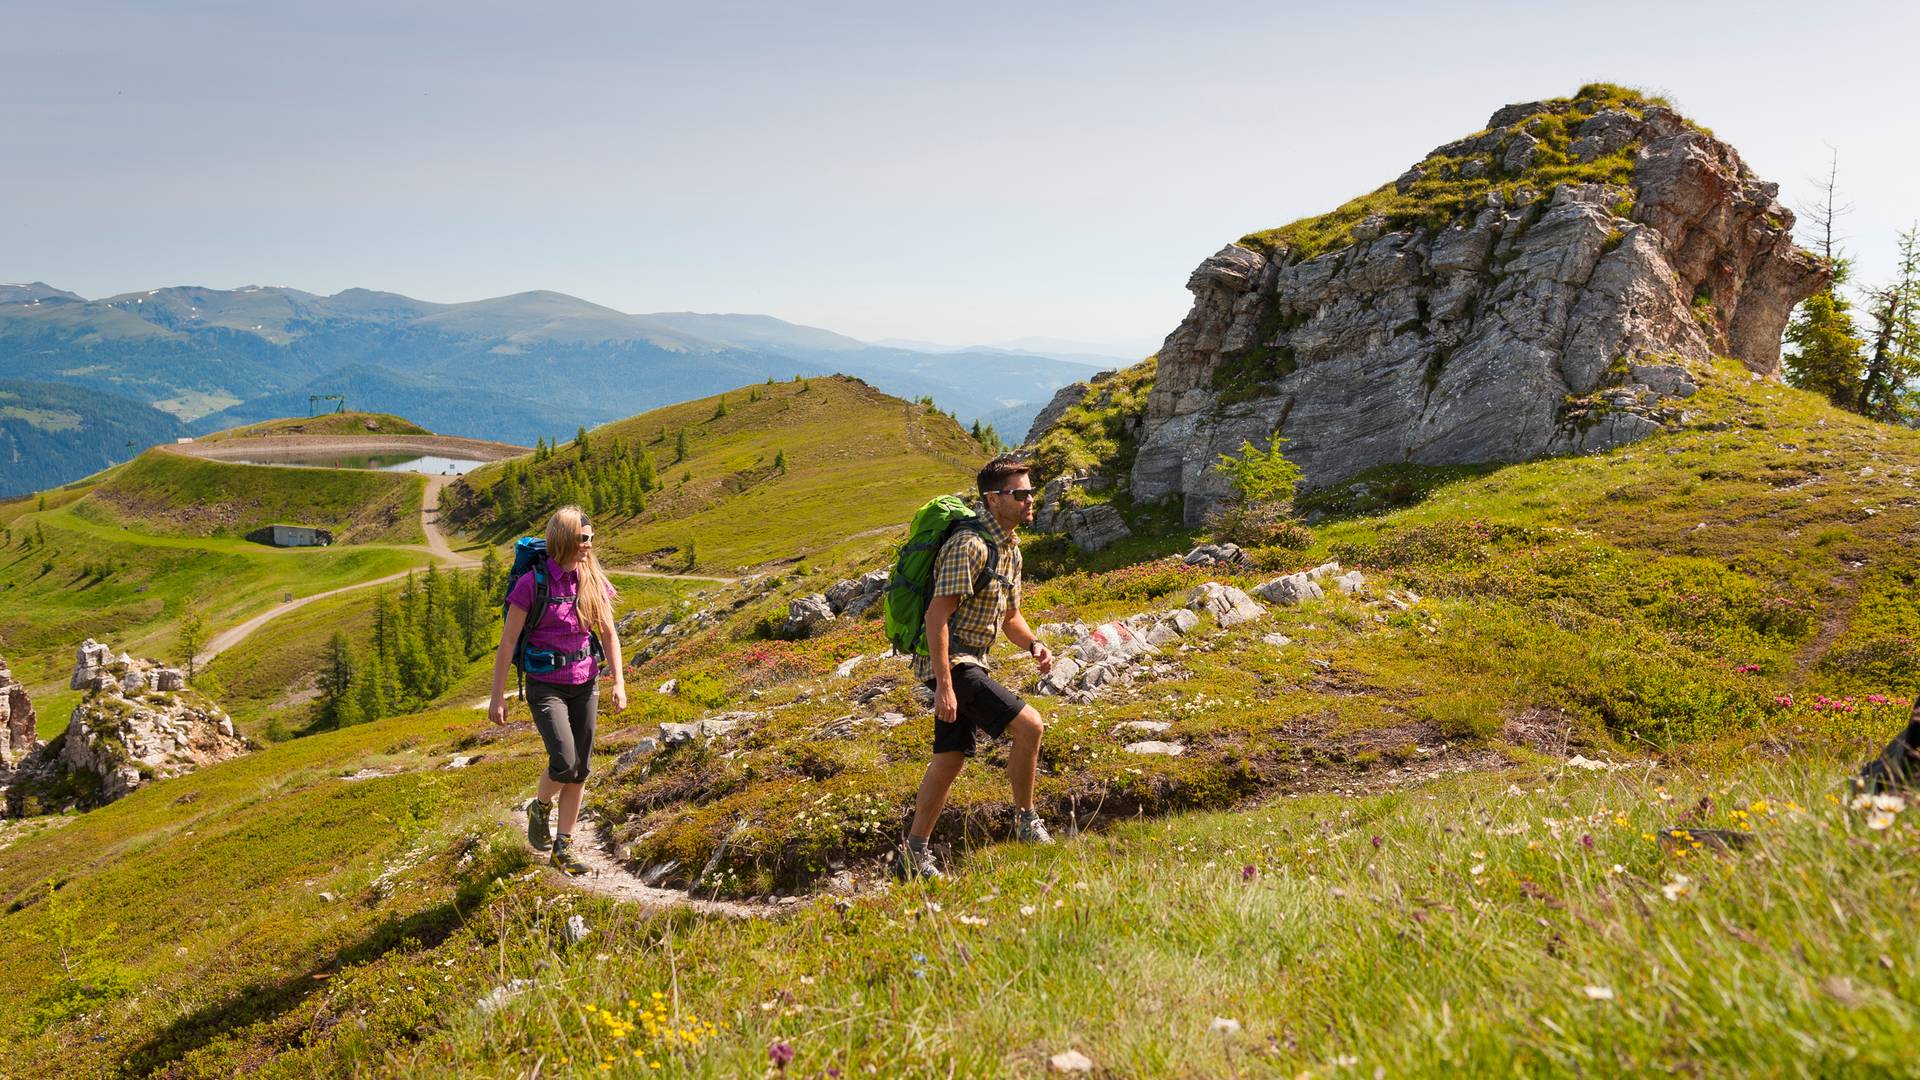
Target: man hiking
<point>970,601</point>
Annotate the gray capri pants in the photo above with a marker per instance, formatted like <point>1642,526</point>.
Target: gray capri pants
<point>564,716</point>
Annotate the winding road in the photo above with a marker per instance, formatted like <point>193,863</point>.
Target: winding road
<point>437,545</point>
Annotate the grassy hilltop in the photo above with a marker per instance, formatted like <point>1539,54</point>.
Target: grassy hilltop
<point>335,424</point>
<point>165,492</point>
<point>1391,864</point>
<point>770,473</point>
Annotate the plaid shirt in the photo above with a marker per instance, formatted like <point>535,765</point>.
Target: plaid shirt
<point>971,630</point>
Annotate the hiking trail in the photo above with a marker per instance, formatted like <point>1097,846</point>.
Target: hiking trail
<point>608,878</point>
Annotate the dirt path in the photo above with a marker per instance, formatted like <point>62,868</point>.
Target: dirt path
<point>608,878</point>
<point>430,523</point>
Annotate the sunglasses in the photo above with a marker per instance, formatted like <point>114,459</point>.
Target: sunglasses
<point>1023,494</point>
<point>586,538</point>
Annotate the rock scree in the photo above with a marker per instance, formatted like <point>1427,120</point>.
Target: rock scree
<point>139,722</point>
<point>1553,284</point>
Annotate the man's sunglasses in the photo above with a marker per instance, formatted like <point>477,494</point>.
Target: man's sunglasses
<point>1023,494</point>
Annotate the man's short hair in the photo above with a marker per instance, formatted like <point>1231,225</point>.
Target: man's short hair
<point>995,474</point>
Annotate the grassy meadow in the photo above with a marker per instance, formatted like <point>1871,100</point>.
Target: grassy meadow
<point>1373,856</point>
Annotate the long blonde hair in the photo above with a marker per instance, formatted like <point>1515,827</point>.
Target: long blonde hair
<point>563,541</point>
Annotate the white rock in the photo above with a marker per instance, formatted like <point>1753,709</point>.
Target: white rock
<point>846,666</point>
<point>1280,640</point>
<point>1323,571</point>
<point>1228,606</point>
<point>1350,582</point>
<point>1151,746</point>
<point>1071,1061</point>
<point>1291,589</point>
<point>1150,727</point>
<point>669,686</point>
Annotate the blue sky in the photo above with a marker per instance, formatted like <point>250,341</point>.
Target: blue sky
<point>977,173</point>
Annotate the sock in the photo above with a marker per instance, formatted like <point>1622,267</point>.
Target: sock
<point>916,844</point>
<point>1025,815</point>
<point>562,838</point>
<point>543,802</point>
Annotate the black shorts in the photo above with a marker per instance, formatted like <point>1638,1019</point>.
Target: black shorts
<point>984,704</point>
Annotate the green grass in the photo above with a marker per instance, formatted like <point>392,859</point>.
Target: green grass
<point>1452,927</point>
<point>857,460</point>
<point>1666,594</point>
<point>165,492</point>
<point>333,424</point>
<point>130,589</point>
<point>1681,605</point>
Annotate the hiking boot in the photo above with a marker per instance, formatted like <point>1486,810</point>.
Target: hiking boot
<point>539,832</point>
<point>909,864</point>
<point>1029,829</point>
<point>564,860</point>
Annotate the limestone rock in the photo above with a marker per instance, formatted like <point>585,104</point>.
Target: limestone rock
<point>806,615</point>
<point>1216,555</point>
<point>90,666</point>
<point>137,723</point>
<point>1145,727</point>
<point>1228,606</point>
<point>1291,589</point>
<point>1155,746</point>
<point>1492,338</point>
<point>1094,527</point>
<point>1350,582</point>
<point>17,735</point>
<point>854,595</point>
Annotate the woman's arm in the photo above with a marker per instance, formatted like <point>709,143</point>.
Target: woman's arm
<point>610,640</point>
<point>503,659</point>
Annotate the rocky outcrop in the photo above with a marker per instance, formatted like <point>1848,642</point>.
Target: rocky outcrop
<point>17,736</point>
<point>138,722</point>
<point>1489,310</point>
<point>806,616</point>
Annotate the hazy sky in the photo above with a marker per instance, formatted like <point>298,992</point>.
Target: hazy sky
<point>979,172</point>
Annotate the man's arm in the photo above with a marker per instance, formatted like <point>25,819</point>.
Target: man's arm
<point>1017,631</point>
<point>940,609</point>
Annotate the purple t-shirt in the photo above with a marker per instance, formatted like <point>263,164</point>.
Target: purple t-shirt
<point>560,629</point>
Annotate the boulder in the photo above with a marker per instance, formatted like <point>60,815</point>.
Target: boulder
<point>806,616</point>
<point>126,732</point>
<point>1324,571</point>
<point>1094,527</point>
<point>1155,746</point>
<point>18,737</point>
<point>1216,555</point>
<point>1063,677</point>
<point>1289,590</point>
<point>90,666</point>
<point>1350,582</point>
<point>1493,336</point>
<point>1228,605</point>
<point>846,667</point>
<point>1111,641</point>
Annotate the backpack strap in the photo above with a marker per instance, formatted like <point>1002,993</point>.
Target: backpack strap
<point>539,608</point>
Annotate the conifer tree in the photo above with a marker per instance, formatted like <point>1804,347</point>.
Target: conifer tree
<point>721,409</point>
<point>680,447</point>
<point>337,705</point>
<point>580,441</point>
<point>780,462</point>
<point>1893,362</point>
<point>1824,348</point>
<point>491,573</point>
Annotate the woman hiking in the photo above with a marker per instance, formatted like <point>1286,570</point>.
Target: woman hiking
<point>562,672</point>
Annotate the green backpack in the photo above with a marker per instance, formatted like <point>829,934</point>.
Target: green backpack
<point>910,588</point>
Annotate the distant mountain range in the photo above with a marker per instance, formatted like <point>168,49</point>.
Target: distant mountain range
<point>513,368</point>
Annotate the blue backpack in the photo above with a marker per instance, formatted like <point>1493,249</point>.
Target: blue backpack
<point>530,557</point>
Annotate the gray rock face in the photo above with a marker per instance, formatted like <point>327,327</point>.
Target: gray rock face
<point>854,596</point>
<point>17,735</point>
<point>1094,527</point>
<point>1290,590</point>
<point>1486,340</point>
<point>806,615</point>
<point>1228,605</point>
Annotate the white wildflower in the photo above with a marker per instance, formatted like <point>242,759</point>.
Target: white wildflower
<point>1598,993</point>
<point>1680,886</point>
<point>1225,1027</point>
